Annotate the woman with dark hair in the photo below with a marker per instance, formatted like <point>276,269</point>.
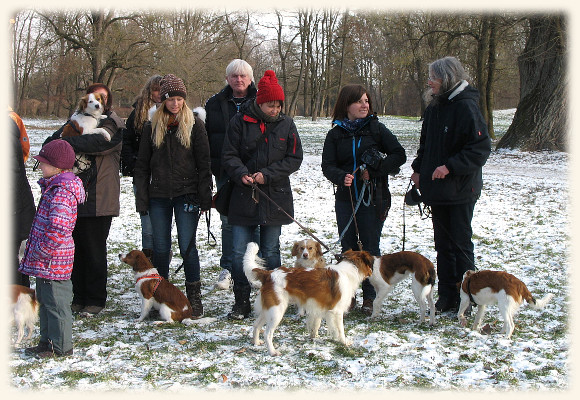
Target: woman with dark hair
<point>453,148</point>
<point>143,108</point>
<point>173,178</point>
<point>100,176</point>
<point>358,156</point>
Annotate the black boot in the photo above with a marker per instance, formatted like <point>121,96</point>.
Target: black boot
<point>242,307</point>
<point>148,253</point>
<point>193,290</point>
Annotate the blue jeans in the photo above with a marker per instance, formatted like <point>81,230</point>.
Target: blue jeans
<point>227,235</point>
<point>269,248</point>
<point>369,227</point>
<point>146,230</point>
<point>161,211</point>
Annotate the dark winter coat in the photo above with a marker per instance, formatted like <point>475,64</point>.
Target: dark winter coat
<point>23,200</point>
<point>338,159</point>
<point>131,140</point>
<point>220,109</point>
<point>454,134</point>
<point>275,150</point>
<point>173,170</point>
<point>50,249</point>
<point>101,175</point>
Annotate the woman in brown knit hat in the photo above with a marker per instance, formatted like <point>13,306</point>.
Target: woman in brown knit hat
<point>261,147</point>
<point>173,178</point>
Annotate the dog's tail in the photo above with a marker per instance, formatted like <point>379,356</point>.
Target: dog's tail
<point>541,303</point>
<point>254,268</point>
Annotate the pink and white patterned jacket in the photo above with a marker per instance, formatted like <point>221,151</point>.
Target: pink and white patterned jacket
<point>50,249</point>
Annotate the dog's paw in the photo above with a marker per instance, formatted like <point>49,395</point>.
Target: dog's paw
<point>463,321</point>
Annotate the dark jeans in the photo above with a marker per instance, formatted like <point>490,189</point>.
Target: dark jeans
<point>369,227</point>
<point>146,229</point>
<point>161,212</point>
<point>89,276</point>
<point>452,234</point>
<point>55,314</point>
<point>227,235</point>
<point>269,248</point>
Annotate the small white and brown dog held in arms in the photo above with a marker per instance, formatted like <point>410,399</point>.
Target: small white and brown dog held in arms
<point>321,292</point>
<point>24,311</point>
<point>155,291</point>
<point>390,269</point>
<point>308,254</point>
<point>87,117</point>
<point>489,287</point>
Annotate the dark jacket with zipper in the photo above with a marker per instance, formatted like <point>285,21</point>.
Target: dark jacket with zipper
<point>100,175</point>
<point>275,150</point>
<point>220,109</point>
<point>130,150</point>
<point>343,151</point>
<point>173,170</point>
<point>454,134</point>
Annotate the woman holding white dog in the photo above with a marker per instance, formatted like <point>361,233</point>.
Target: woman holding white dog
<point>358,156</point>
<point>453,148</point>
<point>173,178</point>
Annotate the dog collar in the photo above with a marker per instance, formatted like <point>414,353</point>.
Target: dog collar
<point>469,291</point>
<point>152,276</point>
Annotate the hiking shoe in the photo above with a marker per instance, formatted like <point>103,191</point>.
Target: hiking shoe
<point>444,304</point>
<point>224,280</point>
<point>367,306</point>
<point>92,310</point>
<point>39,348</point>
<point>49,354</point>
<point>240,311</point>
<point>76,307</point>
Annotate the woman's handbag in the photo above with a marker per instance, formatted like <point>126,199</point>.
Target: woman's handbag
<point>221,200</point>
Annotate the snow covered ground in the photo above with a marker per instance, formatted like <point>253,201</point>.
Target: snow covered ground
<point>521,226</point>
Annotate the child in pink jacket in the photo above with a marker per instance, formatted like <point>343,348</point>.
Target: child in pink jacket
<point>49,253</point>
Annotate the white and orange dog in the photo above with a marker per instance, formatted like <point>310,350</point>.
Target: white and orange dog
<point>155,291</point>
<point>489,287</point>
<point>322,292</point>
<point>390,269</point>
<point>308,254</point>
<point>24,311</point>
<point>87,116</point>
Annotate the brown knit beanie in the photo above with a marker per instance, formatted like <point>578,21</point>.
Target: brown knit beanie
<point>58,153</point>
<point>269,89</point>
<point>171,86</point>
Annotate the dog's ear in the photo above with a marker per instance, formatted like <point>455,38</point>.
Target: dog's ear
<point>318,248</point>
<point>83,102</point>
<point>295,249</point>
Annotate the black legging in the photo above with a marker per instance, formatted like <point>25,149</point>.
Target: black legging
<point>89,275</point>
<point>452,233</point>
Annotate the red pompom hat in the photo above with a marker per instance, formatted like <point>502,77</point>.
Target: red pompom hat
<point>269,89</point>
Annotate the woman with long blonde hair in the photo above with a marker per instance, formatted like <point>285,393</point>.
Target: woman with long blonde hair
<point>173,178</point>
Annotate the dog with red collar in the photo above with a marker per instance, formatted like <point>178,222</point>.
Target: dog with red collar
<point>155,291</point>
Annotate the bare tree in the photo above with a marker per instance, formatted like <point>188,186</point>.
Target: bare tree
<point>540,121</point>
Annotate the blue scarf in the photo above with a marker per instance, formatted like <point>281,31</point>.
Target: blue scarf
<point>354,125</point>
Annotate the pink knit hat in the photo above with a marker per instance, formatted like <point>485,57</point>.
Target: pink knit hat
<point>58,153</point>
<point>269,89</point>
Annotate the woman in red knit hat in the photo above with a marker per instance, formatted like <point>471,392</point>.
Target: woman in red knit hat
<point>262,148</point>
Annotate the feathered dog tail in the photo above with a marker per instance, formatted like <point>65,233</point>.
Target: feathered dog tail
<point>254,266</point>
<point>540,303</point>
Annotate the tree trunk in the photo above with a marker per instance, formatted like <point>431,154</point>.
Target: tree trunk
<point>540,121</point>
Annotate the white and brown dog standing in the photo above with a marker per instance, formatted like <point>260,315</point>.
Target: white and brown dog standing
<point>308,254</point>
<point>155,291</point>
<point>322,292</point>
<point>87,117</point>
<point>489,287</point>
<point>24,311</point>
<point>390,269</point>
